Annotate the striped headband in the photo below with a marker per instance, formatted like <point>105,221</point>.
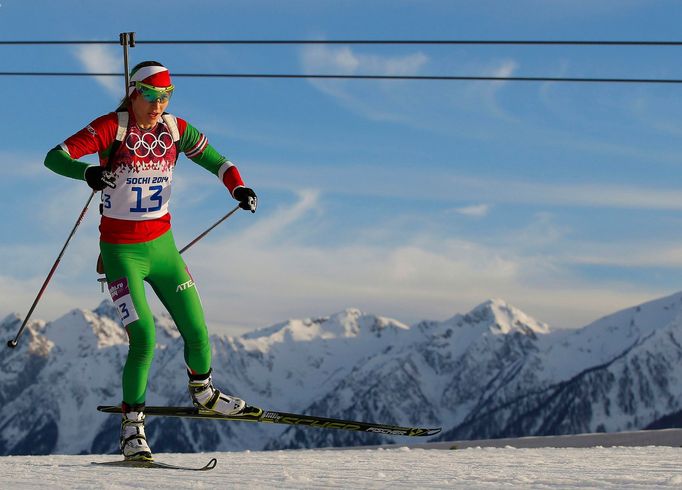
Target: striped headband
<point>157,76</point>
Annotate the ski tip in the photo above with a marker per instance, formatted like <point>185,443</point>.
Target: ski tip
<point>424,432</point>
<point>144,463</point>
<point>109,409</point>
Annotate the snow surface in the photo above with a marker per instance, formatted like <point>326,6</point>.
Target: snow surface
<point>599,467</point>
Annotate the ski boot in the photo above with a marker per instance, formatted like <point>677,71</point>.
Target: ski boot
<point>133,440</point>
<point>206,397</point>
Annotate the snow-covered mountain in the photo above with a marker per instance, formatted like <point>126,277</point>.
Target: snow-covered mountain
<point>493,372</point>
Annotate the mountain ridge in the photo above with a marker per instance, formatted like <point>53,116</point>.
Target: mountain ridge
<point>492,372</point>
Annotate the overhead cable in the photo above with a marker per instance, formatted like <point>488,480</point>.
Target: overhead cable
<point>512,42</point>
<point>368,77</point>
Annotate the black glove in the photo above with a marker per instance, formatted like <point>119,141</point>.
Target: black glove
<point>247,198</point>
<point>99,178</point>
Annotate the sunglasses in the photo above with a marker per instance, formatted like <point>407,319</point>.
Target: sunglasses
<point>152,94</point>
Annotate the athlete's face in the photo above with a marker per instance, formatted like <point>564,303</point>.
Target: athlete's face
<point>147,114</point>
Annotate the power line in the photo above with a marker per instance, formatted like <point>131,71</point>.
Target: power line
<point>30,43</point>
<point>368,77</point>
<point>432,42</point>
<point>522,42</point>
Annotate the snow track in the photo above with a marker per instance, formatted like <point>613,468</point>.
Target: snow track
<point>473,468</point>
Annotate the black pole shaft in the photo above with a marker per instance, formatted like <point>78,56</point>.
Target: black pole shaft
<point>126,39</point>
<point>202,235</point>
<point>13,343</point>
<point>209,229</point>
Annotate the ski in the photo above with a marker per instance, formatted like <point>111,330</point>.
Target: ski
<point>254,414</point>
<point>156,464</point>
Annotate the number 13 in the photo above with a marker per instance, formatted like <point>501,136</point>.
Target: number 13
<point>154,197</point>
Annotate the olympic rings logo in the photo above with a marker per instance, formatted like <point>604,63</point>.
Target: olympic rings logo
<point>148,143</point>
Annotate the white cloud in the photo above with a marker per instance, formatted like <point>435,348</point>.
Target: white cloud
<point>642,254</point>
<point>271,227</point>
<point>446,185</point>
<point>589,195</point>
<point>503,69</point>
<point>369,100</point>
<point>482,110</point>
<point>102,59</point>
<point>506,69</point>
<point>471,97</point>
<point>475,211</point>
<point>17,164</point>
<point>322,59</point>
<point>268,271</point>
<point>409,103</point>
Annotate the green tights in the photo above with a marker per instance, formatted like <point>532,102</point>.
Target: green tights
<point>158,262</point>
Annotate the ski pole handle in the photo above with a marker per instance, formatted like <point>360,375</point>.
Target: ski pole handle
<point>13,342</point>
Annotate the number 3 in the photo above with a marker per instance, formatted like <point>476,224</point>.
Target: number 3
<point>156,196</point>
<point>124,311</point>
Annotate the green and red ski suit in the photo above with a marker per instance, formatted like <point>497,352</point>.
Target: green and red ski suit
<point>136,240</point>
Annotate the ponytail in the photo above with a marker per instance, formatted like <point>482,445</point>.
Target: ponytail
<point>123,105</point>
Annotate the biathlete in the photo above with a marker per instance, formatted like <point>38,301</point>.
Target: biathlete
<point>138,146</point>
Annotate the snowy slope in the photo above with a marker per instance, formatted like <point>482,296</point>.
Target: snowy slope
<point>439,375</point>
<point>618,373</point>
<point>476,468</point>
<point>493,372</point>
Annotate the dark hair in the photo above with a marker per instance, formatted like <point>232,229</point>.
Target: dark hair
<point>123,105</point>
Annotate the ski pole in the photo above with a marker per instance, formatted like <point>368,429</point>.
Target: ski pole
<point>13,342</point>
<point>209,229</point>
<point>126,39</point>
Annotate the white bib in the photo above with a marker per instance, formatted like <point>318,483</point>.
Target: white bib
<point>143,166</point>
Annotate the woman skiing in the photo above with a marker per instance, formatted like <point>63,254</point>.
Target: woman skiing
<point>138,146</point>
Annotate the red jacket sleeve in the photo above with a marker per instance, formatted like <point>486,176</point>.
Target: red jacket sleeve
<point>94,138</point>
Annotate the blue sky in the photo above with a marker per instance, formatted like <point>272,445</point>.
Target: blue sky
<point>407,199</point>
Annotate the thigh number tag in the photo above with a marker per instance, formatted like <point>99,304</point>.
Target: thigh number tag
<point>120,295</point>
